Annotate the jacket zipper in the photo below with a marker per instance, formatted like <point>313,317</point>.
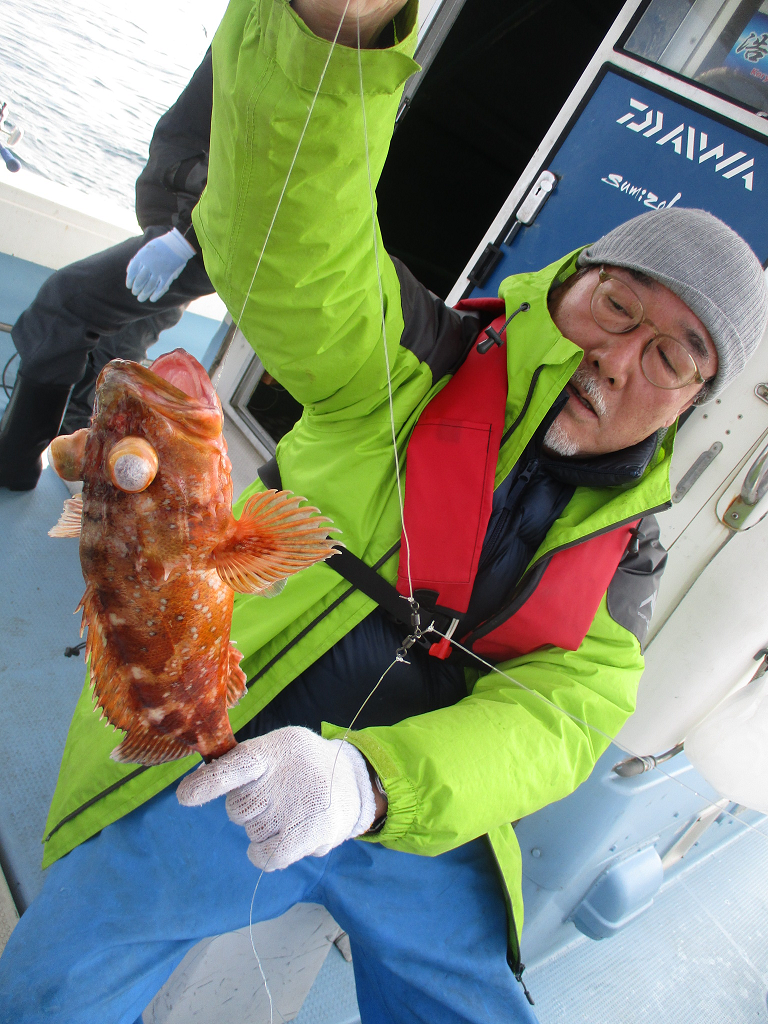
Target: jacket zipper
<point>522,480</point>
<point>513,938</point>
<point>503,518</point>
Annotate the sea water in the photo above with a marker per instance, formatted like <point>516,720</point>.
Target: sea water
<point>88,79</point>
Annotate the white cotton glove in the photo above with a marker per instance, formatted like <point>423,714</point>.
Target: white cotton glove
<point>296,793</point>
<point>157,264</point>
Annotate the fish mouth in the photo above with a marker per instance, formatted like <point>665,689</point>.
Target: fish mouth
<point>176,384</point>
<point>184,372</point>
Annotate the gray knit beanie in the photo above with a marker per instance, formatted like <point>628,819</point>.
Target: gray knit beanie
<point>708,266</point>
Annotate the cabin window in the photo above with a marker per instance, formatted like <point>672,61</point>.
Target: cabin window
<point>720,46</point>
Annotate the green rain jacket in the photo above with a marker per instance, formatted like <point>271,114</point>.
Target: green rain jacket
<point>314,315</point>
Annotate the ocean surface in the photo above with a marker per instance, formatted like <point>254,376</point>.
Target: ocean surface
<point>88,79</point>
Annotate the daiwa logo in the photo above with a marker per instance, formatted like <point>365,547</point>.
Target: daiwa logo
<point>679,137</point>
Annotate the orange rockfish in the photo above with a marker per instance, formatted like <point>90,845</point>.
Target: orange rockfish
<point>162,555</point>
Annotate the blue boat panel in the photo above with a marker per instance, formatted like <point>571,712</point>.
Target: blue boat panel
<point>332,998</point>
<point>20,281</point>
<point>633,149</point>
<point>697,955</point>
<point>39,687</point>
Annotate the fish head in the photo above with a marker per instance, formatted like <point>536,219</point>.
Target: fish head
<point>156,476</point>
<point>157,431</point>
<point>175,389</point>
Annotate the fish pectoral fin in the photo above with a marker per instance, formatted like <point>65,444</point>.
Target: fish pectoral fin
<point>71,519</point>
<point>274,589</point>
<point>273,539</point>
<point>236,683</point>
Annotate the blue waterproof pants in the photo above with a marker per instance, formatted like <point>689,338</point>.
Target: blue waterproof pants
<point>117,914</point>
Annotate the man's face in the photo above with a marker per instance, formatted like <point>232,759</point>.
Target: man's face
<point>611,404</point>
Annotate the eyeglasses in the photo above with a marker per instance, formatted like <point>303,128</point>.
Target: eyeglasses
<point>665,361</point>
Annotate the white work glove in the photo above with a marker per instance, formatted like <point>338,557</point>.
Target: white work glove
<point>157,264</point>
<point>296,793</point>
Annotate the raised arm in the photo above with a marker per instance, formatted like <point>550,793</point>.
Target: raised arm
<point>312,311</point>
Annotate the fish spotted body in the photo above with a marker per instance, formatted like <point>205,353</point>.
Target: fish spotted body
<point>162,555</point>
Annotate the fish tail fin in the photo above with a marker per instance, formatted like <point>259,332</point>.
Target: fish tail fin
<point>273,539</point>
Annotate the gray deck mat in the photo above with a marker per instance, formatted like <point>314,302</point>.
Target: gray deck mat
<point>698,956</point>
<point>39,687</point>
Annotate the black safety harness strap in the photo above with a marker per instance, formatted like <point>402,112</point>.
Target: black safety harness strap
<point>359,574</point>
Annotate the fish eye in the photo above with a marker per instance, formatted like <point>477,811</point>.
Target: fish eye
<point>132,464</point>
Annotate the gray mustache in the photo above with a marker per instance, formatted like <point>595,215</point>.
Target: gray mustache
<point>590,388</point>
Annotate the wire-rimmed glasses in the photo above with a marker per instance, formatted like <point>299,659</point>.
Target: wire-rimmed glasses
<point>665,361</point>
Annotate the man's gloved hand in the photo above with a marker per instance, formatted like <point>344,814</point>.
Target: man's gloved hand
<point>296,793</point>
<point>157,264</point>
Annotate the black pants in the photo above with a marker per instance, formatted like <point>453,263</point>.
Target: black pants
<point>85,310</point>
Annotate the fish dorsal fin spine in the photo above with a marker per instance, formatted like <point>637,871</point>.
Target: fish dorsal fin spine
<point>71,519</point>
<point>273,539</point>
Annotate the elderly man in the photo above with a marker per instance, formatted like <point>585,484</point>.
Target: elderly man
<point>530,554</point>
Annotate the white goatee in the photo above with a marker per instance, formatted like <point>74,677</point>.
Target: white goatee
<point>556,439</point>
<point>557,442</point>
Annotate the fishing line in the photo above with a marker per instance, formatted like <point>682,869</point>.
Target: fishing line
<point>383,313</point>
<point>593,728</point>
<point>253,947</point>
<point>285,183</point>
<point>400,655</point>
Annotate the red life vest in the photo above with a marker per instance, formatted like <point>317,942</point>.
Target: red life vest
<point>450,474</point>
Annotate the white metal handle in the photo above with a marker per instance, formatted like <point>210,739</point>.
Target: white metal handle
<point>756,481</point>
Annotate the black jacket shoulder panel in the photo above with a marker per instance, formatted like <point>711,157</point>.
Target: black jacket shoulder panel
<point>437,335</point>
<point>177,170</point>
<point>631,594</point>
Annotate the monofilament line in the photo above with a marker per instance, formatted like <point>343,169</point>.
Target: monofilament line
<point>288,177</point>
<point>396,659</point>
<point>383,310</point>
<point>221,368</point>
<point>258,958</point>
<point>592,728</point>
